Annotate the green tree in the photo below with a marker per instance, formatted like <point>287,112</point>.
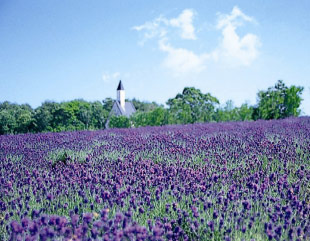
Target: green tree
<point>66,117</point>
<point>84,113</point>
<point>192,106</point>
<point>99,115</point>
<point>24,119</point>
<point>119,122</point>
<point>231,113</point>
<point>279,101</point>
<point>223,114</point>
<point>15,118</point>
<point>107,104</point>
<point>144,106</point>
<point>140,119</point>
<point>292,101</point>
<point>44,116</point>
<point>7,122</point>
<point>245,112</point>
<point>156,117</point>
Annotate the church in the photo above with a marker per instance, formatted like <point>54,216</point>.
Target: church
<point>121,107</point>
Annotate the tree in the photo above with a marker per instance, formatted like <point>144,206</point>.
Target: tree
<point>84,113</point>
<point>15,118</point>
<point>144,106</point>
<point>279,101</point>
<point>99,115</point>
<point>140,119</point>
<point>225,113</point>
<point>24,119</point>
<point>231,113</point>
<point>43,116</point>
<point>192,106</point>
<point>107,104</point>
<point>245,112</point>
<point>7,122</point>
<point>292,101</point>
<point>119,122</point>
<point>67,116</point>
<point>156,117</point>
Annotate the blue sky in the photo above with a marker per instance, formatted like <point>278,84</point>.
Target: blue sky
<point>63,50</point>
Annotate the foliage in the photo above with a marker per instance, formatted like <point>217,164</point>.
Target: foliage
<point>15,118</point>
<point>7,121</point>
<point>44,115</point>
<point>156,117</point>
<point>245,112</point>
<point>231,113</point>
<point>279,101</point>
<point>119,122</point>
<point>99,114</point>
<point>62,158</point>
<point>192,106</point>
<point>144,106</point>
<point>107,103</point>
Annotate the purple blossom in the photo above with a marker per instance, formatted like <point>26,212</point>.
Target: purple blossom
<point>237,175</point>
<point>87,217</point>
<point>16,227</point>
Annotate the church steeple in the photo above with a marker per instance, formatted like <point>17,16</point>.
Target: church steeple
<point>121,94</point>
<point>120,86</point>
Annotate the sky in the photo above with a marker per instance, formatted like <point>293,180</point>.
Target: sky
<point>74,49</point>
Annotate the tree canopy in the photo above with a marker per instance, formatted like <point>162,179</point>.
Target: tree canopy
<point>190,106</point>
<point>279,101</point>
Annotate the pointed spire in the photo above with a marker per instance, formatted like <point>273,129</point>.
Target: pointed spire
<point>120,86</point>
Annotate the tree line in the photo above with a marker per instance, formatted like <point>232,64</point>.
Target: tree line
<point>190,106</point>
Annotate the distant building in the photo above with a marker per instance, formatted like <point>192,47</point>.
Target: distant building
<point>121,107</point>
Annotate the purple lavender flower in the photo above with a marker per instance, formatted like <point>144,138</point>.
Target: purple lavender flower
<point>87,217</point>
<point>141,210</point>
<point>49,197</point>
<point>16,227</point>
<point>75,219</point>
<point>211,225</point>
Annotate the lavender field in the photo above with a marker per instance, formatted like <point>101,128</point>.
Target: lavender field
<point>217,181</point>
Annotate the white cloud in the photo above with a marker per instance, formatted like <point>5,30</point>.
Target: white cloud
<point>152,29</point>
<point>233,18</point>
<point>185,22</point>
<point>233,48</point>
<point>182,61</point>
<point>178,60</point>
<point>160,26</point>
<point>110,77</point>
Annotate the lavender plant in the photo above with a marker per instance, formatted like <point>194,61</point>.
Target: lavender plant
<point>217,181</point>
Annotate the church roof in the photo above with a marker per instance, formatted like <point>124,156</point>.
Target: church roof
<point>119,111</point>
<point>120,86</point>
<point>129,108</point>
